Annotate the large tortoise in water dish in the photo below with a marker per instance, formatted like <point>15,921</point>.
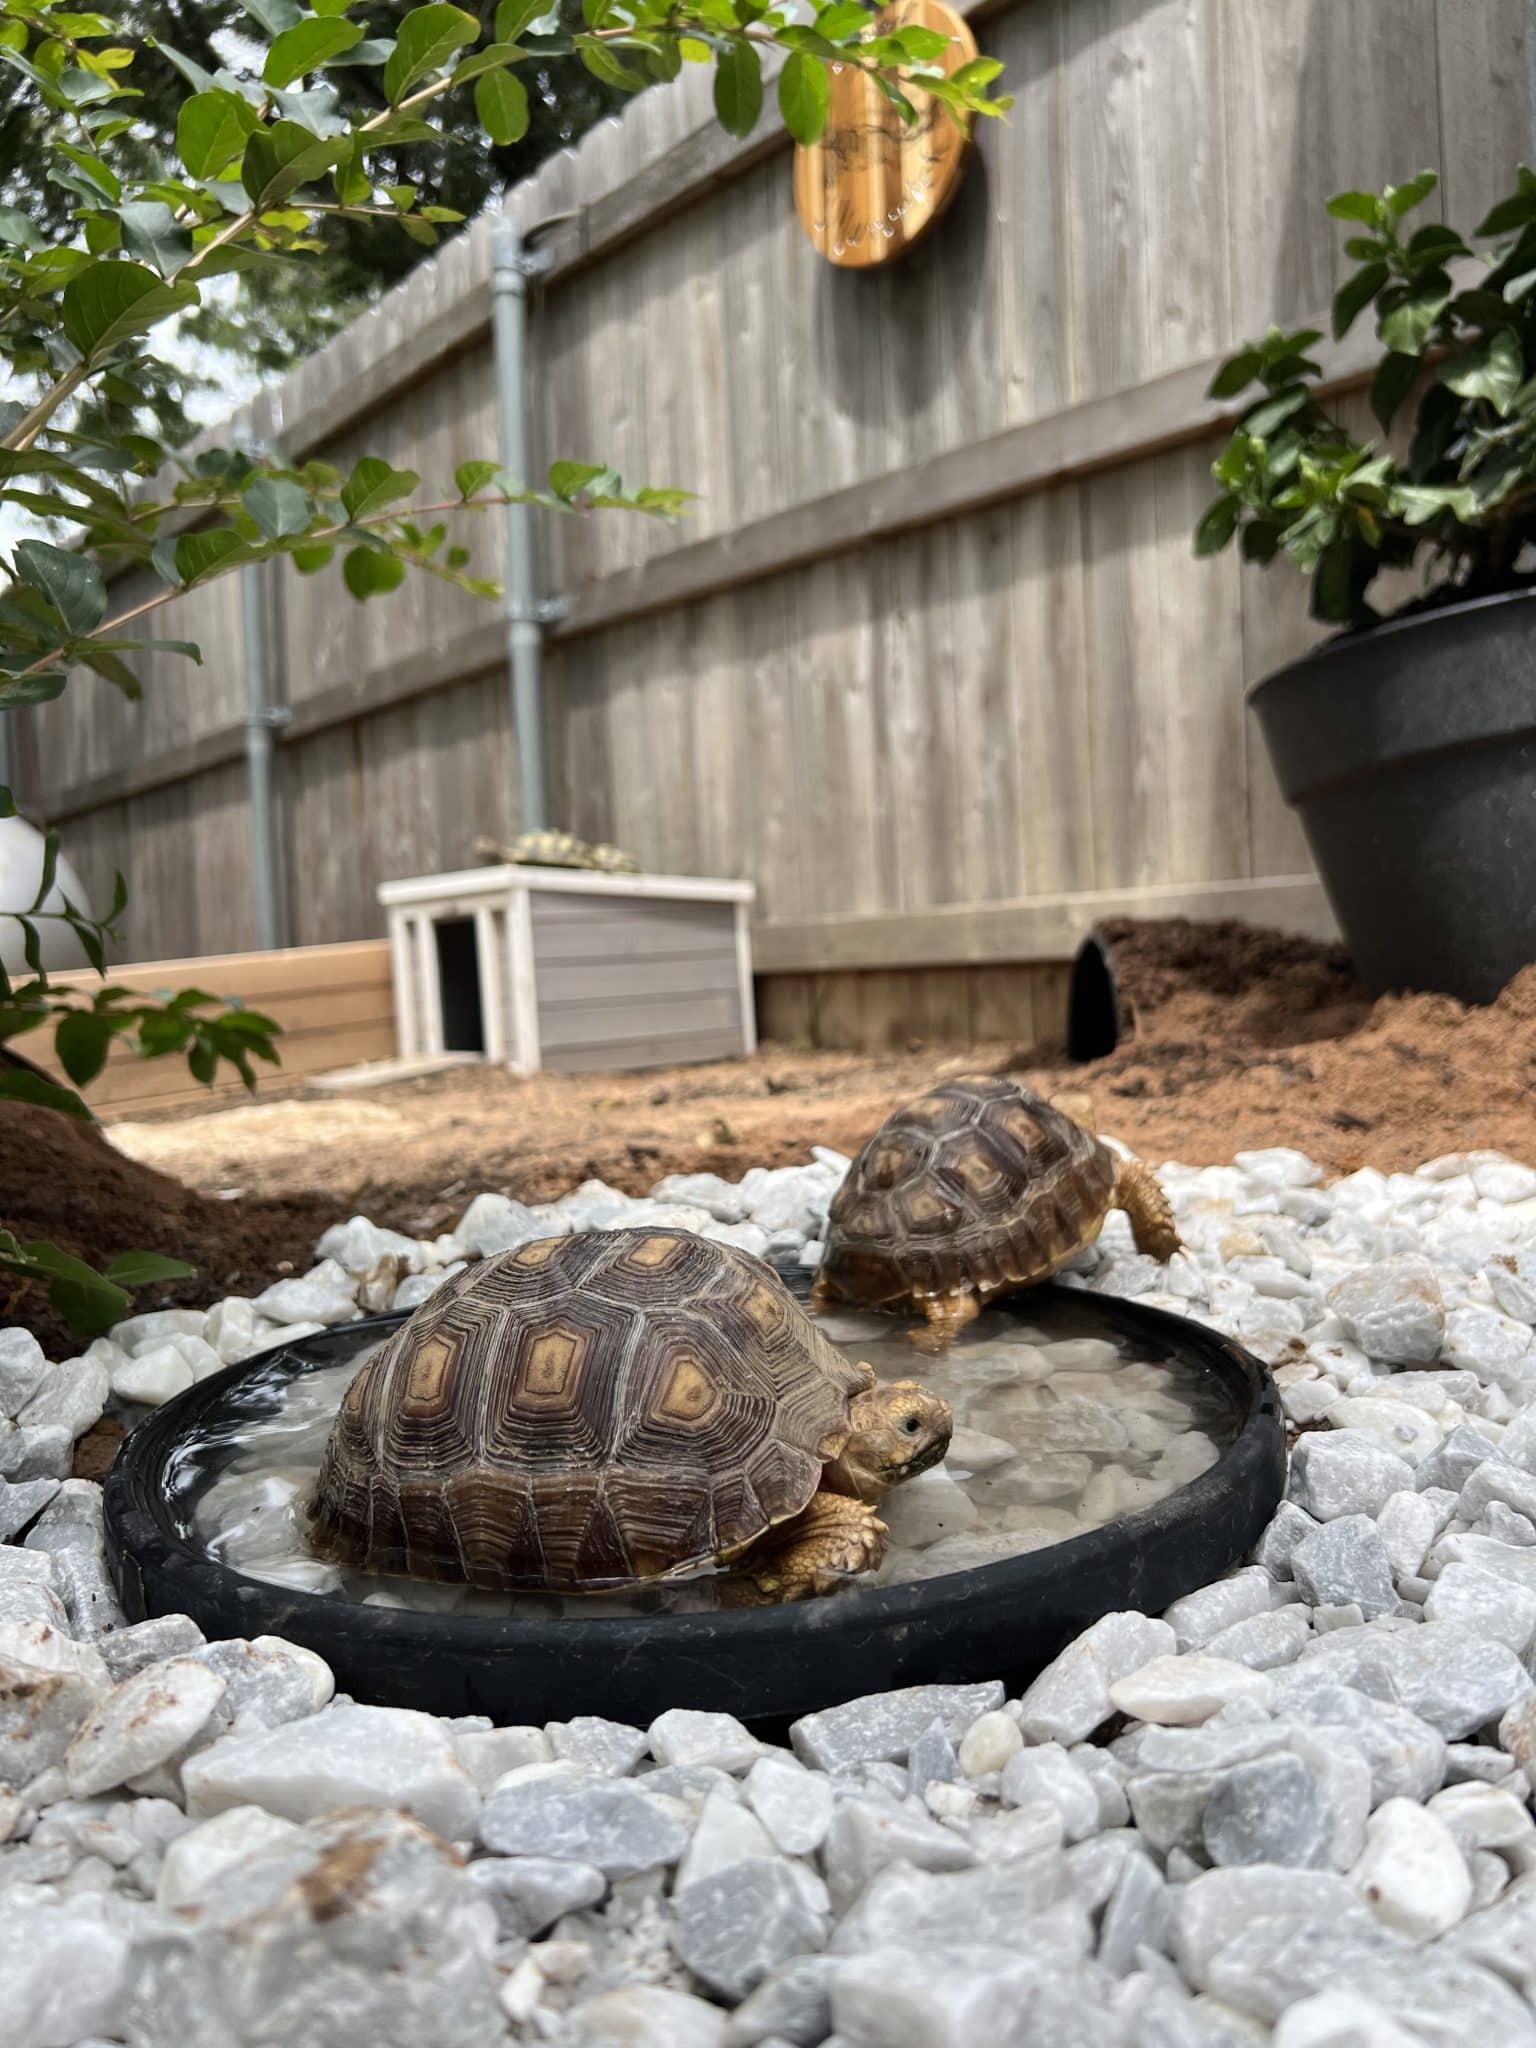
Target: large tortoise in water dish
<point>591,1412</point>
<point>976,1188</point>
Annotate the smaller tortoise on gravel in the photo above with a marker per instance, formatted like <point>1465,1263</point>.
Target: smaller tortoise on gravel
<point>974,1189</point>
<point>585,1413</point>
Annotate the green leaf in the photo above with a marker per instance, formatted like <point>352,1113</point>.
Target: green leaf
<point>513,16</point>
<point>1355,293</point>
<point>1401,198</point>
<point>844,18</point>
<point>1395,378</point>
<point>7,803</point>
<point>427,38</point>
<point>274,15</point>
<point>279,159</point>
<point>1355,206</point>
<point>1217,526</point>
<point>501,101</point>
<point>17,230</point>
<point>143,1269</point>
<point>306,46</point>
<point>152,231</point>
<point>470,477</point>
<point>42,688</point>
<point>738,88</point>
<point>373,485</point>
<point>803,94</point>
<point>18,1084</point>
<point>1406,325</point>
<point>368,573</point>
<point>492,57</point>
<point>308,560</point>
<point>109,301</point>
<point>211,131</point>
<point>71,584</point>
<point>1263,420</point>
<point>81,1041</point>
<point>192,555</point>
<point>1235,374</point>
<point>567,479</point>
<point>278,507</point>
<point>1493,368</point>
<point>606,64</point>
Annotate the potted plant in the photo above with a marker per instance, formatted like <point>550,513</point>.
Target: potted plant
<point>1408,742</point>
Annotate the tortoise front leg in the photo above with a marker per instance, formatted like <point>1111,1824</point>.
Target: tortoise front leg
<point>831,1540</point>
<point>947,1316</point>
<point>1139,1192</point>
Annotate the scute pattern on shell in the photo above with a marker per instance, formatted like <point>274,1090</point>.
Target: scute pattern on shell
<point>583,1412</point>
<point>976,1185</point>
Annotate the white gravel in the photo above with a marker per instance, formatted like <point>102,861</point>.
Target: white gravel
<point>1296,1810</point>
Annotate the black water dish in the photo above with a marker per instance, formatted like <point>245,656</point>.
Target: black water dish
<point>762,1664</point>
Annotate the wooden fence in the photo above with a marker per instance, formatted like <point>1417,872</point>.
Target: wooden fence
<point>931,662</point>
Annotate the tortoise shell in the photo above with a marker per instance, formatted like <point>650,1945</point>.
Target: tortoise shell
<point>584,1412</point>
<point>976,1186</point>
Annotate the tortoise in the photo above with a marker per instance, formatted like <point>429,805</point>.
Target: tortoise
<point>584,1413</point>
<point>977,1188</point>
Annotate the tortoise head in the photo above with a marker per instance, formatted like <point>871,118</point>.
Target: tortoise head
<point>897,1429</point>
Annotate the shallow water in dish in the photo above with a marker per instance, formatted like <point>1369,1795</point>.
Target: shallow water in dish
<point>1056,1433</point>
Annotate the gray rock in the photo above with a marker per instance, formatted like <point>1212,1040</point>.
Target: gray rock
<point>21,1502</point>
<point>612,1824</point>
<point>71,1397</point>
<point>794,2004</point>
<point>1271,1810</point>
<point>736,1926</point>
<point>1277,1545</point>
<point>1394,1311</point>
<point>1046,1773</point>
<point>726,1832</point>
<point>997,1904</point>
<point>612,1747</point>
<point>40,1451</point>
<point>1215,1909</point>
<point>931,1760</point>
<point>864,1837</point>
<point>131,1649</point>
<point>1406,1755</point>
<point>883,1727</point>
<point>1346,1472</point>
<point>1071,1698</point>
<point>793,1803</point>
<point>1265,1641</point>
<point>1454,1462</point>
<point>895,1998</point>
<point>1139,1916</point>
<point>644,2016</point>
<point>70,1530</point>
<point>268,1682</point>
<point>1203,1614</point>
<point>40,1710</point>
<point>530,1893</point>
<point>1345,1561</point>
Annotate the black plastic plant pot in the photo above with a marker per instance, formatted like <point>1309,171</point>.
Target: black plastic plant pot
<point>762,1664</point>
<point>1410,753</point>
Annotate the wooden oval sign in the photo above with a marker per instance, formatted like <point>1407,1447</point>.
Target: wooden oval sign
<point>872,185</point>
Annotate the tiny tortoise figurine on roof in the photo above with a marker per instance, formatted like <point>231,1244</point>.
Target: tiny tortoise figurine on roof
<point>974,1189</point>
<point>585,1413</point>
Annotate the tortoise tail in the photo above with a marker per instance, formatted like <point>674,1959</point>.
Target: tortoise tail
<point>1140,1193</point>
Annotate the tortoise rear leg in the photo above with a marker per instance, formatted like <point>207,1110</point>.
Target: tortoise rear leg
<point>823,1294</point>
<point>1139,1192</point>
<point>947,1316</point>
<point>831,1540</point>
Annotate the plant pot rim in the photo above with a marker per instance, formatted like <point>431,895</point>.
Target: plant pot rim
<point>1343,646</point>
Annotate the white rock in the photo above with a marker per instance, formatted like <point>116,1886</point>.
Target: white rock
<point>685,1736</point>
<point>1394,1311</point>
<point>197,1859</point>
<point>156,1374</point>
<point>928,1508</point>
<point>22,1369</point>
<point>988,1744</point>
<point>1497,1348</point>
<point>1406,1431</point>
<point>63,1970</point>
<point>793,1803</point>
<point>1047,1774</point>
<point>1502,1180</point>
<point>326,1294</point>
<point>1200,1615</point>
<point>645,2016</point>
<point>358,1245</point>
<point>1347,1472</point>
<point>346,1756</point>
<point>1484,1817</point>
<point>1340,2019</point>
<point>1071,1697</point>
<point>1485,1604</point>
<point>726,1833</point>
<point>1180,1692</point>
<point>158,1324</point>
<point>495,1223</point>
<point>1278,1166</point>
<point>883,1726</point>
<point>141,1723</point>
<point>1412,1873</point>
<point>488,1754</point>
<point>72,1396</point>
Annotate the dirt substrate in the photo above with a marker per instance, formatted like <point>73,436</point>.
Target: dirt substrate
<point>1240,1038</point>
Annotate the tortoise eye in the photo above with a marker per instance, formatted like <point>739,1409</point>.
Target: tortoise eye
<point>911,1425</point>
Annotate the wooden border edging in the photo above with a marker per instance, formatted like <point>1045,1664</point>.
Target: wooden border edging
<point>1032,928</point>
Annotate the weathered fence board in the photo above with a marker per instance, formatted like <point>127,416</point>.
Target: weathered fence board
<point>931,655</point>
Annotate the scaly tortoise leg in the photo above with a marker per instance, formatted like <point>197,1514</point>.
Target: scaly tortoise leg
<point>822,1294</point>
<point>1139,1192</point>
<point>947,1316</point>
<point>831,1540</point>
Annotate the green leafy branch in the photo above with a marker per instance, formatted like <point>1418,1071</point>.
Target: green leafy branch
<point>1457,324</point>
